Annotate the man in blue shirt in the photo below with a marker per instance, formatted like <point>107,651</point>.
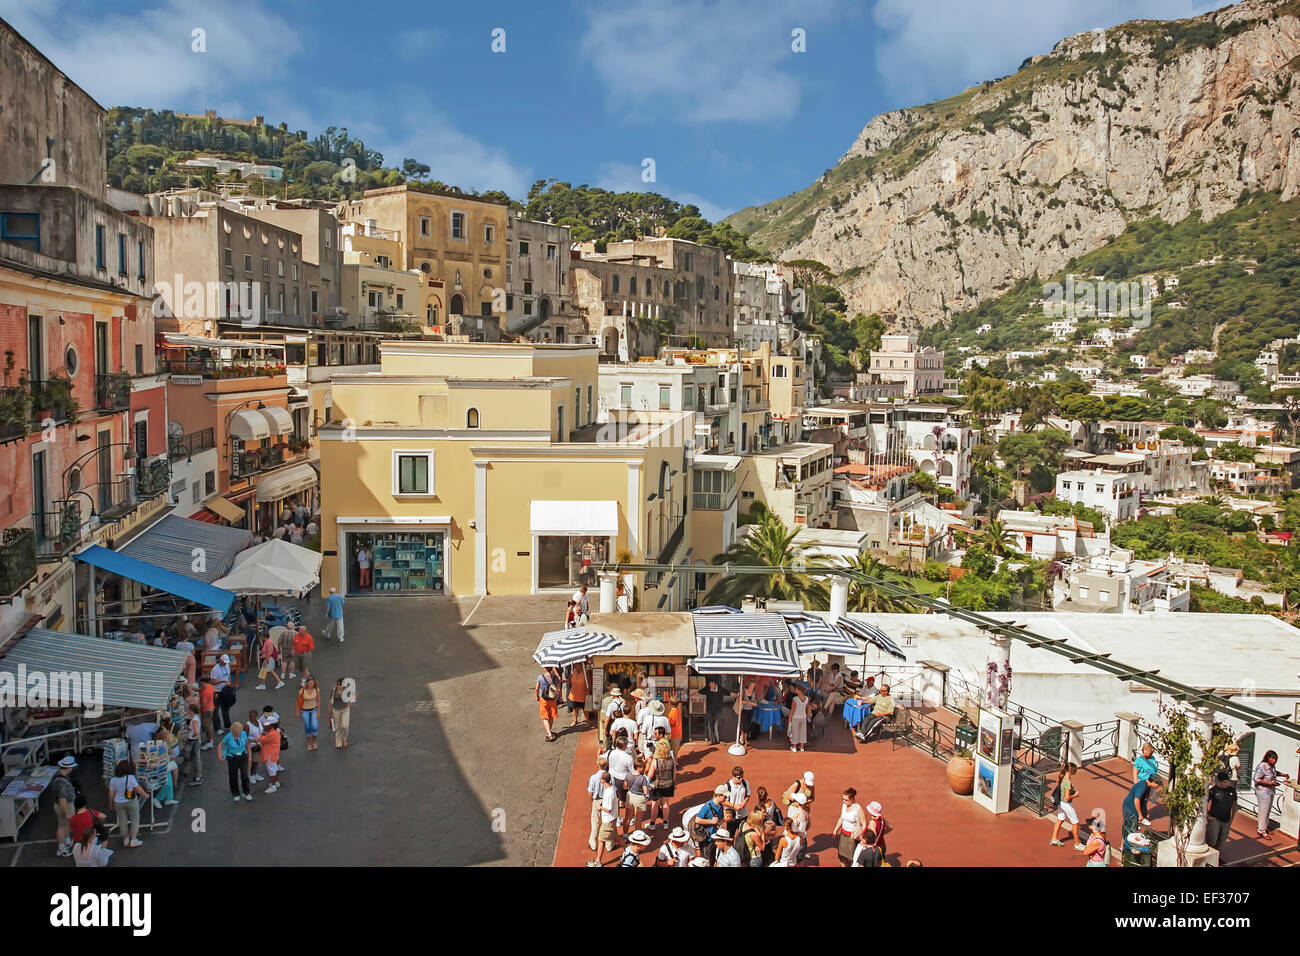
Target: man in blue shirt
<point>334,615</point>
<point>709,818</point>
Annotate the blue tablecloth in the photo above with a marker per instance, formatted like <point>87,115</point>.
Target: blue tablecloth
<point>854,709</point>
<point>768,716</point>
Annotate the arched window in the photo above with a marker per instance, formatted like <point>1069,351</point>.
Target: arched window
<point>471,418</point>
<point>458,278</point>
<point>663,481</point>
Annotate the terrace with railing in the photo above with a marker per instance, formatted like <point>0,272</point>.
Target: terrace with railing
<point>112,391</point>
<point>216,368</point>
<point>191,444</point>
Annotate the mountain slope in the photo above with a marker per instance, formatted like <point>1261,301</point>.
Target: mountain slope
<point>936,208</point>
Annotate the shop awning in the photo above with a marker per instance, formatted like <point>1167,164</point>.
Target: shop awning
<point>279,420</point>
<point>574,517</point>
<point>248,424</point>
<point>194,549</point>
<point>288,482</point>
<point>200,592</point>
<point>135,675</point>
<point>225,509</point>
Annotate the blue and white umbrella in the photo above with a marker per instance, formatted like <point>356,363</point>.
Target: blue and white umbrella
<point>872,635</point>
<point>559,648</point>
<point>717,609</point>
<point>735,656</point>
<point>815,636</point>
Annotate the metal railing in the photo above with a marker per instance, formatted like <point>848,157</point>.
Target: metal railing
<point>17,559</point>
<point>246,463</point>
<point>931,735</point>
<point>191,444</point>
<point>214,368</point>
<point>1100,741</point>
<point>1029,787</point>
<point>906,683</point>
<point>112,391</point>
<point>59,530</point>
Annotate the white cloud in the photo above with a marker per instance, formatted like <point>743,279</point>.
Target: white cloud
<point>626,177</point>
<point>702,60</point>
<point>145,58</point>
<point>938,48</point>
<point>416,128</point>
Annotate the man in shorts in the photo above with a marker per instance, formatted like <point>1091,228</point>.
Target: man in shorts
<point>271,750</point>
<point>608,819</point>
<point>303,645</point>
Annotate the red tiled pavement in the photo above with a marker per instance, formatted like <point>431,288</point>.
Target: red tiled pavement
<point>929,822</point>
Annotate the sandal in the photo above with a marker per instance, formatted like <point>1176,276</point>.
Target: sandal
<point>551,737</point>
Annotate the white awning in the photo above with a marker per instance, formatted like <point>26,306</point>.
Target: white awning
<point>249,425</point>
<point>574,517</point>
<point>175,340</point>
<point>281,422</point>
<point>288,482</point>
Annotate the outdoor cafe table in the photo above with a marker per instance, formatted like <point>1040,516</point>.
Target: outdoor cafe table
<point>767,716</point>
<point>855,708</point>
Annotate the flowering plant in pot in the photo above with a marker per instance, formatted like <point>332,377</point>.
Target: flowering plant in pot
<point>961,772</point>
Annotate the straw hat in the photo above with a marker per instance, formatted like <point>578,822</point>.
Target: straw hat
<point>657,708</point>
<point>720,834</point>
<point>698,861</point>
<point>808,778</point>
<point>639,837</point>
<point>875,809</point>
<point>678,835</point>
<point>616,691</point>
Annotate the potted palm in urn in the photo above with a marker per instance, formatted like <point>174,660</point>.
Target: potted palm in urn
<point>961,772</point>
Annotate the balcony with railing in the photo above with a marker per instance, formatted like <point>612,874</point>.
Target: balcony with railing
<point>246,464</point>
<point>112,391</point>
<point>187,446</point>
<point>215,368</point>
<point>17,559</point>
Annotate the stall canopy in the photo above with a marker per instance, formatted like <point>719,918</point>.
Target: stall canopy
<point>195,549</point>
<point>599,518</point>
<point>647,635</point>
<point>161,579</point>
<point>135,675</point>
<point>288,482</point>
<point>248,424</point>
<point>274,567</point>
<point>559,648</point>
<point>760,630</point>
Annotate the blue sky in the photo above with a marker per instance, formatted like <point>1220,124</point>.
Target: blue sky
<point>584,92</point>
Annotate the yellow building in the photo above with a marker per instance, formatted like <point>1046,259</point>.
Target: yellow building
<point>458,240</point>
<point>464,468</point>
<point>785,392</point>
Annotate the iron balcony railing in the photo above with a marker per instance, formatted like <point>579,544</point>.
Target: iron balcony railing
<point>1100,741</point>
<point>59,530</point>
<point>213,368</point>
<point>189,445</point>
<point>244,464</point>
<point>112,391</point>
<point>17,559</point>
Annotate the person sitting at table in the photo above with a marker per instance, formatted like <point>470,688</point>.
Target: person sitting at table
<point>852,685</point>
<point>882,709</point>
<point>832,689</point>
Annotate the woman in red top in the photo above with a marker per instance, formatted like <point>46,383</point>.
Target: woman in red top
<point>271,741</point>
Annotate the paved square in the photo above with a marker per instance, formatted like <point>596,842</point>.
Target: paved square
<point>448,765</point>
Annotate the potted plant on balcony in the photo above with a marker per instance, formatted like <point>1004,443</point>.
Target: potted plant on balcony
<point>62,402</point>
<point>961,772</point>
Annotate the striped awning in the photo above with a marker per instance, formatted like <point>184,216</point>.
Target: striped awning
<point>138,676</point>
<point>812,635</point>
<point>744,657</point>
<point>559,648</point>
<point>762,630</point>
<point>872,635</point>
<point>192,548</point>
<point>717,609</point>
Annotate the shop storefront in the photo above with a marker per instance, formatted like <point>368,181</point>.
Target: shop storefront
<point>571,539</point>
<point>288,487</point>
<point>395,560</point>
<point>654,655</point>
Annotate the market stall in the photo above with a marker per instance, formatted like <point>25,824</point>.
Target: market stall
<point>273,567</point>
<point>654,651</point>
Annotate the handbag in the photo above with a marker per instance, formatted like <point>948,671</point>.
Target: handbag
<point>284,740</point>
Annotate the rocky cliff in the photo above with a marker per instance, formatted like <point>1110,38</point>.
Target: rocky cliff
<point>938,207</point>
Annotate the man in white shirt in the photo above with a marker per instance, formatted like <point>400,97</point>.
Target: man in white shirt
<point>608,819</point>
<point>677,851</point>
<point>597,790</point>
<point>651,717</point>
<point>626,724</point>
<point>580,599</point>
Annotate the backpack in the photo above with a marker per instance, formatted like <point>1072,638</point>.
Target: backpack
<point>630,857</point>
<point>664,774</point>
<point>552,690</point>
<point>742,845</point>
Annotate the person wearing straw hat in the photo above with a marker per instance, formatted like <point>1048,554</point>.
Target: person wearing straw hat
<point>652,717</point>
<point>877,824</point>
<point>677,850</point>
<point>637,841</point>
<point>63,794</point>
<point>611,702</point>
<point>725,854</point>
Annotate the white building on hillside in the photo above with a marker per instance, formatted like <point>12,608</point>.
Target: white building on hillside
<point>1114,494</point>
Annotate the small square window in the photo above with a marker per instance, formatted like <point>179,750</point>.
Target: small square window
<point>523,249</point>
<point>426,226</point>
<point>21,229</point>
<point>458,225</point>
<point>413,473</point>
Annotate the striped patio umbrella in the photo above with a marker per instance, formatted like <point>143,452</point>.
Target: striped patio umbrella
<point>559,648</point>
<point>737,656</point>
<point>815,636</point>
<point>717,609</point>
<point>872,635</point>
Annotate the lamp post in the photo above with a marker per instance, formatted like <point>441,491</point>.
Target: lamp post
<point>98,449</point>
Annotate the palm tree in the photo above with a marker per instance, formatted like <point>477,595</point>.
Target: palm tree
<point>996,537</point>
<point>770,544</point>
<point>865,597</point>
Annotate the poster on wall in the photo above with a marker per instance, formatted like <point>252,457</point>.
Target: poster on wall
<point>597,683</point>
<point>682,677</point>
<point>1008,746</point>
<point>984,781</point>
<point>990,735</point>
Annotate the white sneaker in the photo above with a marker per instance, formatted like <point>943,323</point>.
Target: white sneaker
<point>255,778</point>
<point>1146,822</point>
<point>170,803</point>
<point>207,746</point>
<point>279,685</point>
<point>340,640</point>
<point>248,797</point>
<point>65,849</point>
<point>237,799</point>
<point>157,804</point>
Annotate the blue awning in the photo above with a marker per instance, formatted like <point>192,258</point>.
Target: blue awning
<point>195,549</point>
<point>134,675</point>
<point>161,579</point>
